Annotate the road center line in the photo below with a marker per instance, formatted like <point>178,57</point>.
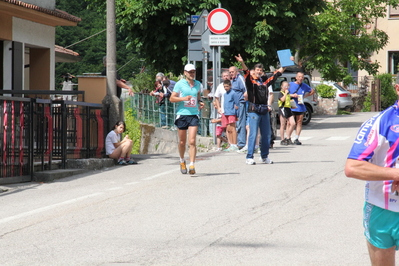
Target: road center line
<point>25,214</point>
<point>338,138</point>
<point>114,188</point>
<point>160,174</point>
<point>132,183</point>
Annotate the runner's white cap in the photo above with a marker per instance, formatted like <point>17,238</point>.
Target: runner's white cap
<point>189,67</point>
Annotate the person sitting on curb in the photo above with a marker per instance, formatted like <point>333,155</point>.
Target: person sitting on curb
<point>116,149</point>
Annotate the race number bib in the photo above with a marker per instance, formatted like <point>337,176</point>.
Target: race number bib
<point>191,103</point>
<point>300,99</point>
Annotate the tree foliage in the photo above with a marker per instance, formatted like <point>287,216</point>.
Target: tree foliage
<point>158,28</point>
<point>342,36</point>
<point>330,36</point>
<point>93,49</point>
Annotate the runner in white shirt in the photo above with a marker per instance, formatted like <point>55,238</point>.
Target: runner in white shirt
<point>374,157</point>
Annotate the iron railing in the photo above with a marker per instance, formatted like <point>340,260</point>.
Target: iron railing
<point>148,111</point>
<point>38,131</point>
<point>16,137</point>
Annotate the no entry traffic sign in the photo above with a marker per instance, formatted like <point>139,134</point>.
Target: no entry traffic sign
<point>219,21</point>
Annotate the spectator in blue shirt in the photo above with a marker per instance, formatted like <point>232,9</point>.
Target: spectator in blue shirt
<point>238,85</point>
<point>229,117</point>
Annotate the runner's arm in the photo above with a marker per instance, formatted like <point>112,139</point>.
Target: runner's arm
<point>174,98</point>
<point>364,170</point>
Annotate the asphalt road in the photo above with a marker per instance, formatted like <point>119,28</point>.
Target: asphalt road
<point>301,210</point>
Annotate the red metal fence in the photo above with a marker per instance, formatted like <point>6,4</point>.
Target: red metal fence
<point>35,132</point>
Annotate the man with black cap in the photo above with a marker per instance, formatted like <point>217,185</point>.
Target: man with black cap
<point>187,95</point>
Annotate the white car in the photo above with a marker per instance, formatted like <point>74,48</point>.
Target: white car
<point>343,97</point>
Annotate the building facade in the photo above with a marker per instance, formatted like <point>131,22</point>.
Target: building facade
<point>27,43</point>
<point>388,57</point>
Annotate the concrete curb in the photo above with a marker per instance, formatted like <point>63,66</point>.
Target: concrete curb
<point>90,164</point>
<point>74,167</point>
<point>51,175</point>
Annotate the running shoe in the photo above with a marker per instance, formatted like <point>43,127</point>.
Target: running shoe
<point>284,142</point>
<point>122,162</point>
<point>250,161</point>
<point>289,141</point>
<point>131,162</point>
<point>243,149</point>
<point>183,168</point>
<point>232,148</point>
<point>191,170</point>
<point>266,160</point>
<point>297,142</point>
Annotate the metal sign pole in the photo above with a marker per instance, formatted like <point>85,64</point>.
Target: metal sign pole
<point>216,80</point>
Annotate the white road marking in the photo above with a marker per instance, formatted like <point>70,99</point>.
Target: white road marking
<point>114,188</point>
<point>158,175</point>
<point>25,214</point>
<point>338,138</point>
<point>303,138</point>
<point>132,183</point>
<point>46,208</point>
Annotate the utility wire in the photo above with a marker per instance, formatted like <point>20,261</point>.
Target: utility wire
<point>126,64</point>
<point>93,36</point>
<point>85,38</point>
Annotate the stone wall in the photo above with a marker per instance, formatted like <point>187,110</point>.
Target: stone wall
<point>327,106</point>
<point>157,140</point>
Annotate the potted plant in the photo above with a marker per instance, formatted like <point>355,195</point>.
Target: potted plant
<point>328,105</point>
<point>326,91</point>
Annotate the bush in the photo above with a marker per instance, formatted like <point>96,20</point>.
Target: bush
<point>143,82</point>
<point>367,104</point>
<point>388,94</point>
<point>133,130</point>
<point>325,91</point>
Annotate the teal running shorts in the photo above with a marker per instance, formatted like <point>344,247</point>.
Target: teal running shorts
<point>381,227</point>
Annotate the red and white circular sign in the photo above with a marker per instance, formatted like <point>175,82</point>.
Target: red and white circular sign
<point>219,21</point>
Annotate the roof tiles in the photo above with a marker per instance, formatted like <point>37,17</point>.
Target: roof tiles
<point>55,12</point>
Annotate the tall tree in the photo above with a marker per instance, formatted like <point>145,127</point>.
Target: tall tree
<point>93,49</point>
<point>341,38</point>
<point>158,29</point>
<point>324,35</point>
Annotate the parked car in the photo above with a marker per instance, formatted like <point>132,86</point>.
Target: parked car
<point>310,101</point>
<point>343,96</point>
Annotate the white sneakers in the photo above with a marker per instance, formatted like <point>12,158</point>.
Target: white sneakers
<point>243,149</point>
<point>265,161</point>
<point>250,161</point>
